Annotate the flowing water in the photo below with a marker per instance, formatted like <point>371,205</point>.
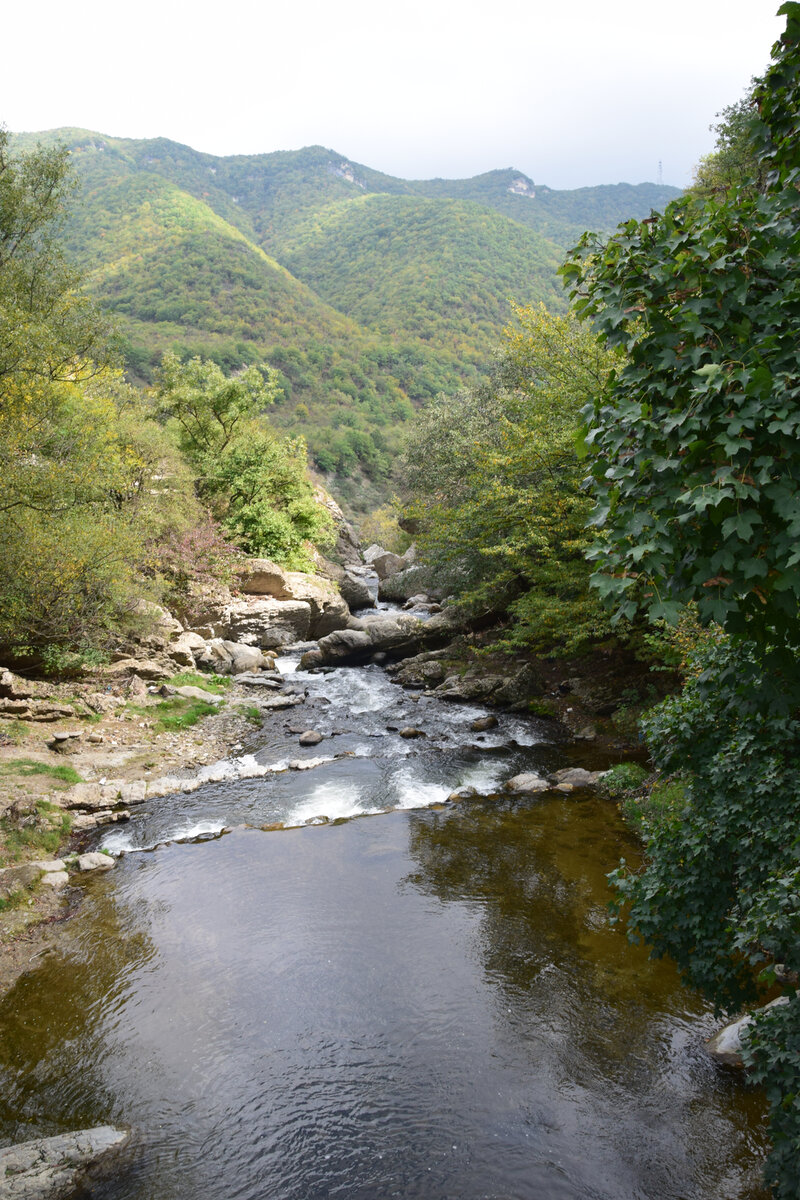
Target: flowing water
<point>424,1002</point>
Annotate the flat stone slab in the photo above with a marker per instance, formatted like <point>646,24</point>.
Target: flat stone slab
<point>50,1168</point>
<point>256,679</point>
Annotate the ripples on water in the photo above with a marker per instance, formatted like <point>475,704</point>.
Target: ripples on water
<point>426,1004</point>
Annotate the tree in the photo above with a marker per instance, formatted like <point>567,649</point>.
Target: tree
<point>495,480</point>
<point>696,474</point>
<point>48,329</point>
<point>255,482</point>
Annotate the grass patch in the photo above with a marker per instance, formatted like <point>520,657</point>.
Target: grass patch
<point>541,708</point>
<point>623,779</point>
<point>251,712</point>
<point>13,731</point>
<point>16,843</point>
<point>177,712</point>
<point>25,767</point>
<point>210,683</point>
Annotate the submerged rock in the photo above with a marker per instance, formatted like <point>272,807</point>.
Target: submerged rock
<point>51,1168</point>
<point>310,737</point>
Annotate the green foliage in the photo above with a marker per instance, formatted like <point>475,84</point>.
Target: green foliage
<point>254,482</point>
<point>251,712</point>
<point>696,438</point>
<point>733,169</point>
<point>52,829</point>
<point>190,253</point>
<point>495,482</point>
<point>623,778</point>
<point>209,408</point>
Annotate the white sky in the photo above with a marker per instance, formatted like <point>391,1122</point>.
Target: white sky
<point>572,92</point>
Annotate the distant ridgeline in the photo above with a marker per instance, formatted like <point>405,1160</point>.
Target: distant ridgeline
<point>370,294</point>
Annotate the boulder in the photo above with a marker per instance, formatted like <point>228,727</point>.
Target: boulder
<point>244,658</point>
<point>483,723</point>
<point>387,564</point>
<point>268,623</point>
<point>261,577</point>
<point>527,784</point>
<point>471,686</point>
<point>145,668</point>
<point>16,879</point>
<point>52,1168</point>
<point>357,584</point>
<point>407,582</point>
<point>186,648</point>
<point>310,738</point>
<point>329,610</point>
<point>726,1045</point>
<point>576,777</point>
<point>95,861</point>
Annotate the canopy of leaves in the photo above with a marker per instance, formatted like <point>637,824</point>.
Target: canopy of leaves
<point>696,467</point>
<point>495,482</point>
<point>696,438</point>
<point>254,482</point>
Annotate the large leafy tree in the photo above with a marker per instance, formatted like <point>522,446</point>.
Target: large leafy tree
<point>696,479</point>
<point>254,481</point>
<point>495,481</point>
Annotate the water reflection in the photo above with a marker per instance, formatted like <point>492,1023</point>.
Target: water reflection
<point>420,1005</point>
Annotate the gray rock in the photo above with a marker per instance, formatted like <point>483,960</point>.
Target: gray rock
<point>527,784</point>
<point>51,1168</point>
<point>95,861</point>
<point>133,793</point>
<point>195,693</point>
<point>50,865</point>
<point>464,793</point>
<point>245,658</point>
<point>726,1045</point>
<point>270,681</point>
<point>55,880</point>
<point>310,738</point>
<point>268,624</point>
<point>411,732</point>
<point>575,776</point>
<point>483,723</point>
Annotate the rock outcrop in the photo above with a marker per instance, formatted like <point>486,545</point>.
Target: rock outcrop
<point>52,1168</point>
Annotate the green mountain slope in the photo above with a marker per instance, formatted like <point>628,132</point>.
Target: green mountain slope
<point>368,293</point>
<point>439,270</point>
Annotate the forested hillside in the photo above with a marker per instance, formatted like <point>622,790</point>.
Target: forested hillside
<point>368,294</point>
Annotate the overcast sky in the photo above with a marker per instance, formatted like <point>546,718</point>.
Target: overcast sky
<point>572,92</point>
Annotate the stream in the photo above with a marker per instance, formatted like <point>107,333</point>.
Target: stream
<point>393,996</point>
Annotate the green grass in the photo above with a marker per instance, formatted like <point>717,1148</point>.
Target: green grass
<point>209,683</point>
<point>251,712</point>
<point>14,731</point>
<point>623,779</point>
<point>541,708</point>
<point>177,712</point>
<point>18,843</point>
<point>29,766</point>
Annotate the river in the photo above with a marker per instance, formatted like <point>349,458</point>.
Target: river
<point>393,997</point>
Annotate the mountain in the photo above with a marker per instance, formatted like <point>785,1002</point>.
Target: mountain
<point>367,292</point>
